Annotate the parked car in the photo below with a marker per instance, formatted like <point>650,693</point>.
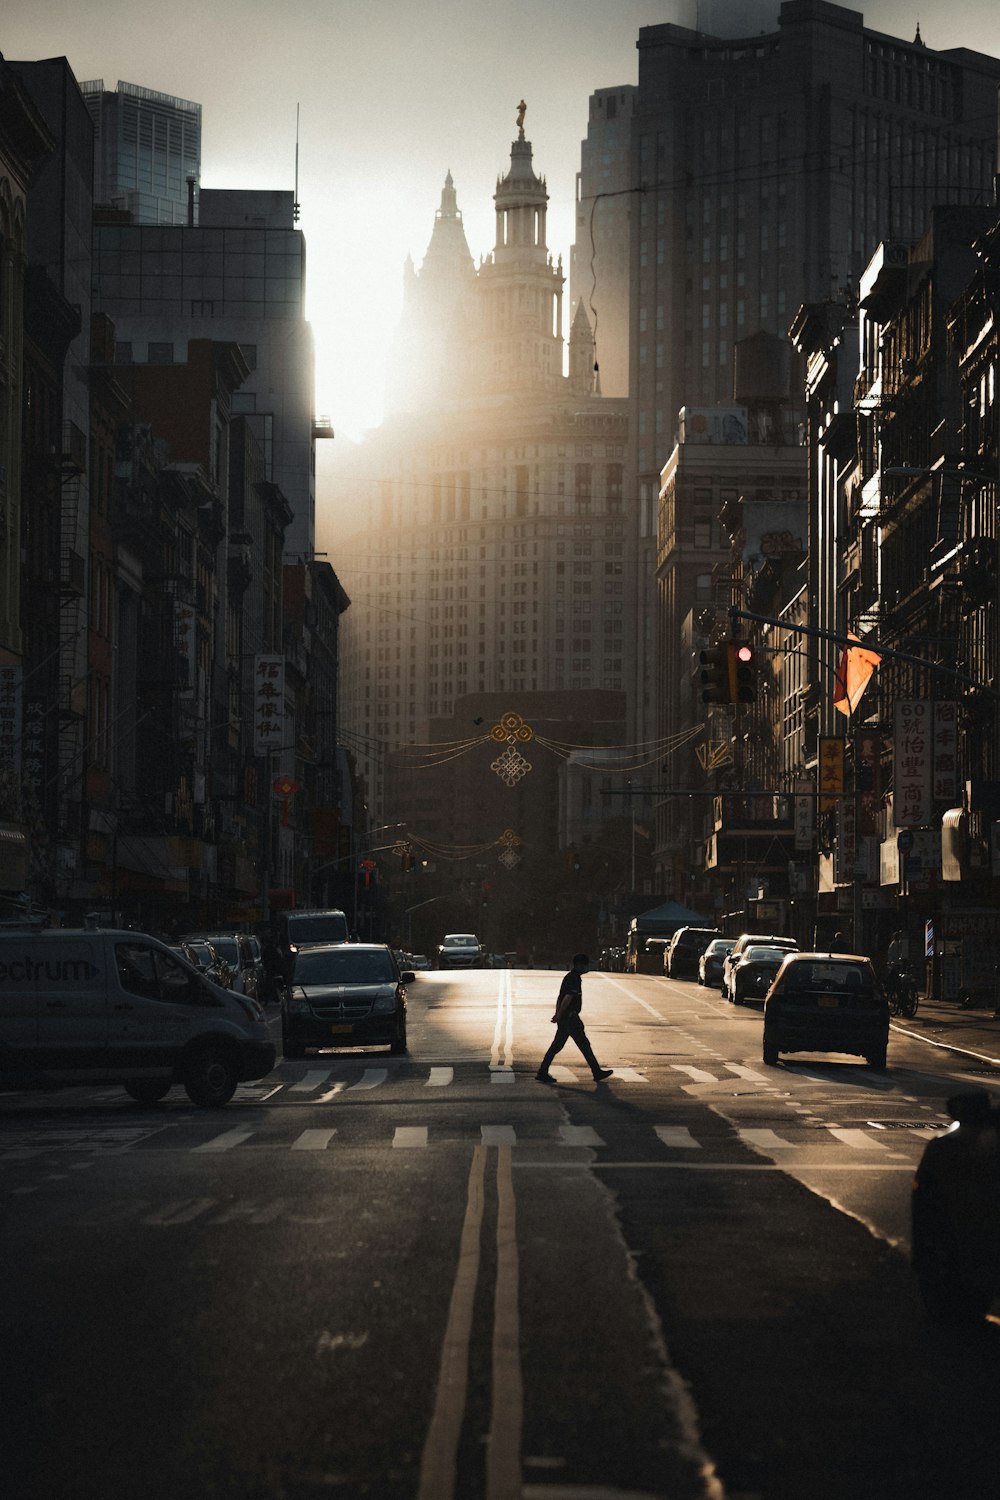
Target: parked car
<point>745,939</point>
<point>119,1007</point>
<point>204,957</point>
<point>345,995</point>
<point>419,961</point>
<point>956,1212</point>
<point>754,972</point>
<point>711,961</point>
<point>826,1003</point>
<point>307,928</point>
<point>234,948</point>
<point>685,949</point>
<point>460,950</point>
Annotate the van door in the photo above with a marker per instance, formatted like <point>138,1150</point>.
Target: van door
<point>152,1003</point>
<point>71,1004</point>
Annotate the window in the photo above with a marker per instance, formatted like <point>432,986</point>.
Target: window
<point>160,354</point>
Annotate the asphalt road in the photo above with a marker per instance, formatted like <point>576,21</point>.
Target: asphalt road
<point>434,1277</point>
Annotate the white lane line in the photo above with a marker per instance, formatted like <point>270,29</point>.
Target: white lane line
<point>858,1140</point>
<point>750,1074</point>
<point>498,1135</point>
<point>370,1079</point>
<point>407,1136</point>
<point>677,1136</point>
<point>438,1461</point>
<point>765,1140</point>
<point>440,1078</point>
<point>698,1074</point>
<point>504,1476</point>
<point>310,1081</point>
<point>502,1050</point>
<point>227,1140</point>
<point>313,1140</point>
<point>579,1135</point>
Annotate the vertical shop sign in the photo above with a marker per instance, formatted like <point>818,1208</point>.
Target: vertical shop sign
<point>268,703</point>
<point>10,718</point>
<point>911,768</point>
<point>944,753</point>
<point>804,810</point>
<point>831,772</point>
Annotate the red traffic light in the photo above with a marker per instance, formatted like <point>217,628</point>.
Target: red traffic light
<point>744,653</point>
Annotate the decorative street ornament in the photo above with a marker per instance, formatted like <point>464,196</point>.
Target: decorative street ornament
<point>511,765</point>
<point>285,788</point>
<point>509,855</point>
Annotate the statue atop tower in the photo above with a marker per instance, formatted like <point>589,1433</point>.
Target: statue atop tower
<point>521,111</point>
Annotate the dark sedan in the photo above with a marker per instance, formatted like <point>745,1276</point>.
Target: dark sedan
<point>711,961</point>
<point>345,996</point>
<point>823,1002</point>
<point>754,972</point>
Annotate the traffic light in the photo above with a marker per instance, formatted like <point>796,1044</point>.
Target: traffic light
<point>716,683</point>
<point>742,672</point>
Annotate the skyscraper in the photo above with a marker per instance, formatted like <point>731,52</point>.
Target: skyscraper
<point>147,151</point>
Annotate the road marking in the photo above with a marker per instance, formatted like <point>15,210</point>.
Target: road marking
<point>370,1079</point>
<point>678,1136</point>
<point>498,1135</point>
<point>750,1074</point>
<point>503,1452</point>
<point>310,1081</point>
<point>439,1457</point>
<point>765,1140</point>
<point>410,1135</point>
<point>859,1140</point>
<point>563,1074</point>
<point>227,1140</point>
<point>313,1140</point>
<point>439,1078</point>
<point>331,1094</point>
<point>698,1074</point>
<point>579,1135</point>
<point>502,1051</point>
<point>503,1075</point>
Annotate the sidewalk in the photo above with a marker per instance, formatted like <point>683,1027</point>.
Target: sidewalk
<point>976,1031</point>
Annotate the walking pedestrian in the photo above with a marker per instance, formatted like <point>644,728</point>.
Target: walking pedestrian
<point>569,1023</point>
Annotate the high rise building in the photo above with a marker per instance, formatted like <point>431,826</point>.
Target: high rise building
<point>147,151</point>
<point>600,260</point>
<point>765,170</point>
<point>491,559</point>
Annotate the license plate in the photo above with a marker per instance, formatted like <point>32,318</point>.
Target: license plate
<point>828,1000</point>
<point>341,1030</point>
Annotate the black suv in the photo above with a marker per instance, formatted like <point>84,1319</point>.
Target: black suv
<point>686,947</point>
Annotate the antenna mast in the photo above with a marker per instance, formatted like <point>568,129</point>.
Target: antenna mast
<point>295,199</point>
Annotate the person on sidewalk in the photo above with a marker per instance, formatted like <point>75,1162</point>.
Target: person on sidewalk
<point>569,1023</point>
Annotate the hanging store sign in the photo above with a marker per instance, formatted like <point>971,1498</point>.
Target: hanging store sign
<point>804,815</point>
<point>268,704</point>
<point>944,753</point>
<point>10,717</point>
<point>912,764</point>
<point>831,771</point>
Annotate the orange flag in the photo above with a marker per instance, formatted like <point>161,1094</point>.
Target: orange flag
<point>856,667</point>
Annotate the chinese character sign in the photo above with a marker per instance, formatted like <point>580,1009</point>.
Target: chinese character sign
<point>10,717</point>
<point>911,769</point>
<point>831,771</point>
<point>268,704</point>
<point>944,755</point>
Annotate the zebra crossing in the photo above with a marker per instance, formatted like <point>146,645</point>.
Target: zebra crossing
<point>806,1140</point>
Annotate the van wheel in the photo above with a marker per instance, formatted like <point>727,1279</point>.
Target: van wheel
<point>398,1047</point>
<point>148,1090</point>
<point>210,1078</point>
<point>877,1061</point>
<point>770,1055</point>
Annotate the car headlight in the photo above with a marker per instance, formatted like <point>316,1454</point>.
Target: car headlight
<point>297,1005</point>
<point>386,1001</point>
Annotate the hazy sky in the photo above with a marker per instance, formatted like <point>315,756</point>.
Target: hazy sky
<point>392,95</point>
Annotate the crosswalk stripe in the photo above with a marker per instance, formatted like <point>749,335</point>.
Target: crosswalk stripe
<point>697,1074</point>
<point>502,1075</point>
<point>563,1074</point>
<point>579,1135</point>
<point>678,1136</point>
<point>371,1078</point>
<point>312,1080</point>
<point>859,1140</point>
<point>498,1135</point>
<point>440,1078</point>
<point>767,1140</point>
<point>750,1074</point>
<point>227,1140</point>
<point>313,1140</point>
<point>410,1135</point>
<point>630,1075</point>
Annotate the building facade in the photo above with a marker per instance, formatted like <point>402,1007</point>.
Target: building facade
<point>147,152</point>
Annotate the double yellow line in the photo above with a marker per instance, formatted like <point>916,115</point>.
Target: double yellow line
<point>438,1467</point>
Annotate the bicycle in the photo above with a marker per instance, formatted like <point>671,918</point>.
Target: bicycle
<point>901,994</point>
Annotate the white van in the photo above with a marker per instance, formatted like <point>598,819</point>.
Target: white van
<point>119,1007</point>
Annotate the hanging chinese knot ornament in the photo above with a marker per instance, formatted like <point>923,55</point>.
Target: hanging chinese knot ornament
<point>509,855</point>
<point>511,765</point>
